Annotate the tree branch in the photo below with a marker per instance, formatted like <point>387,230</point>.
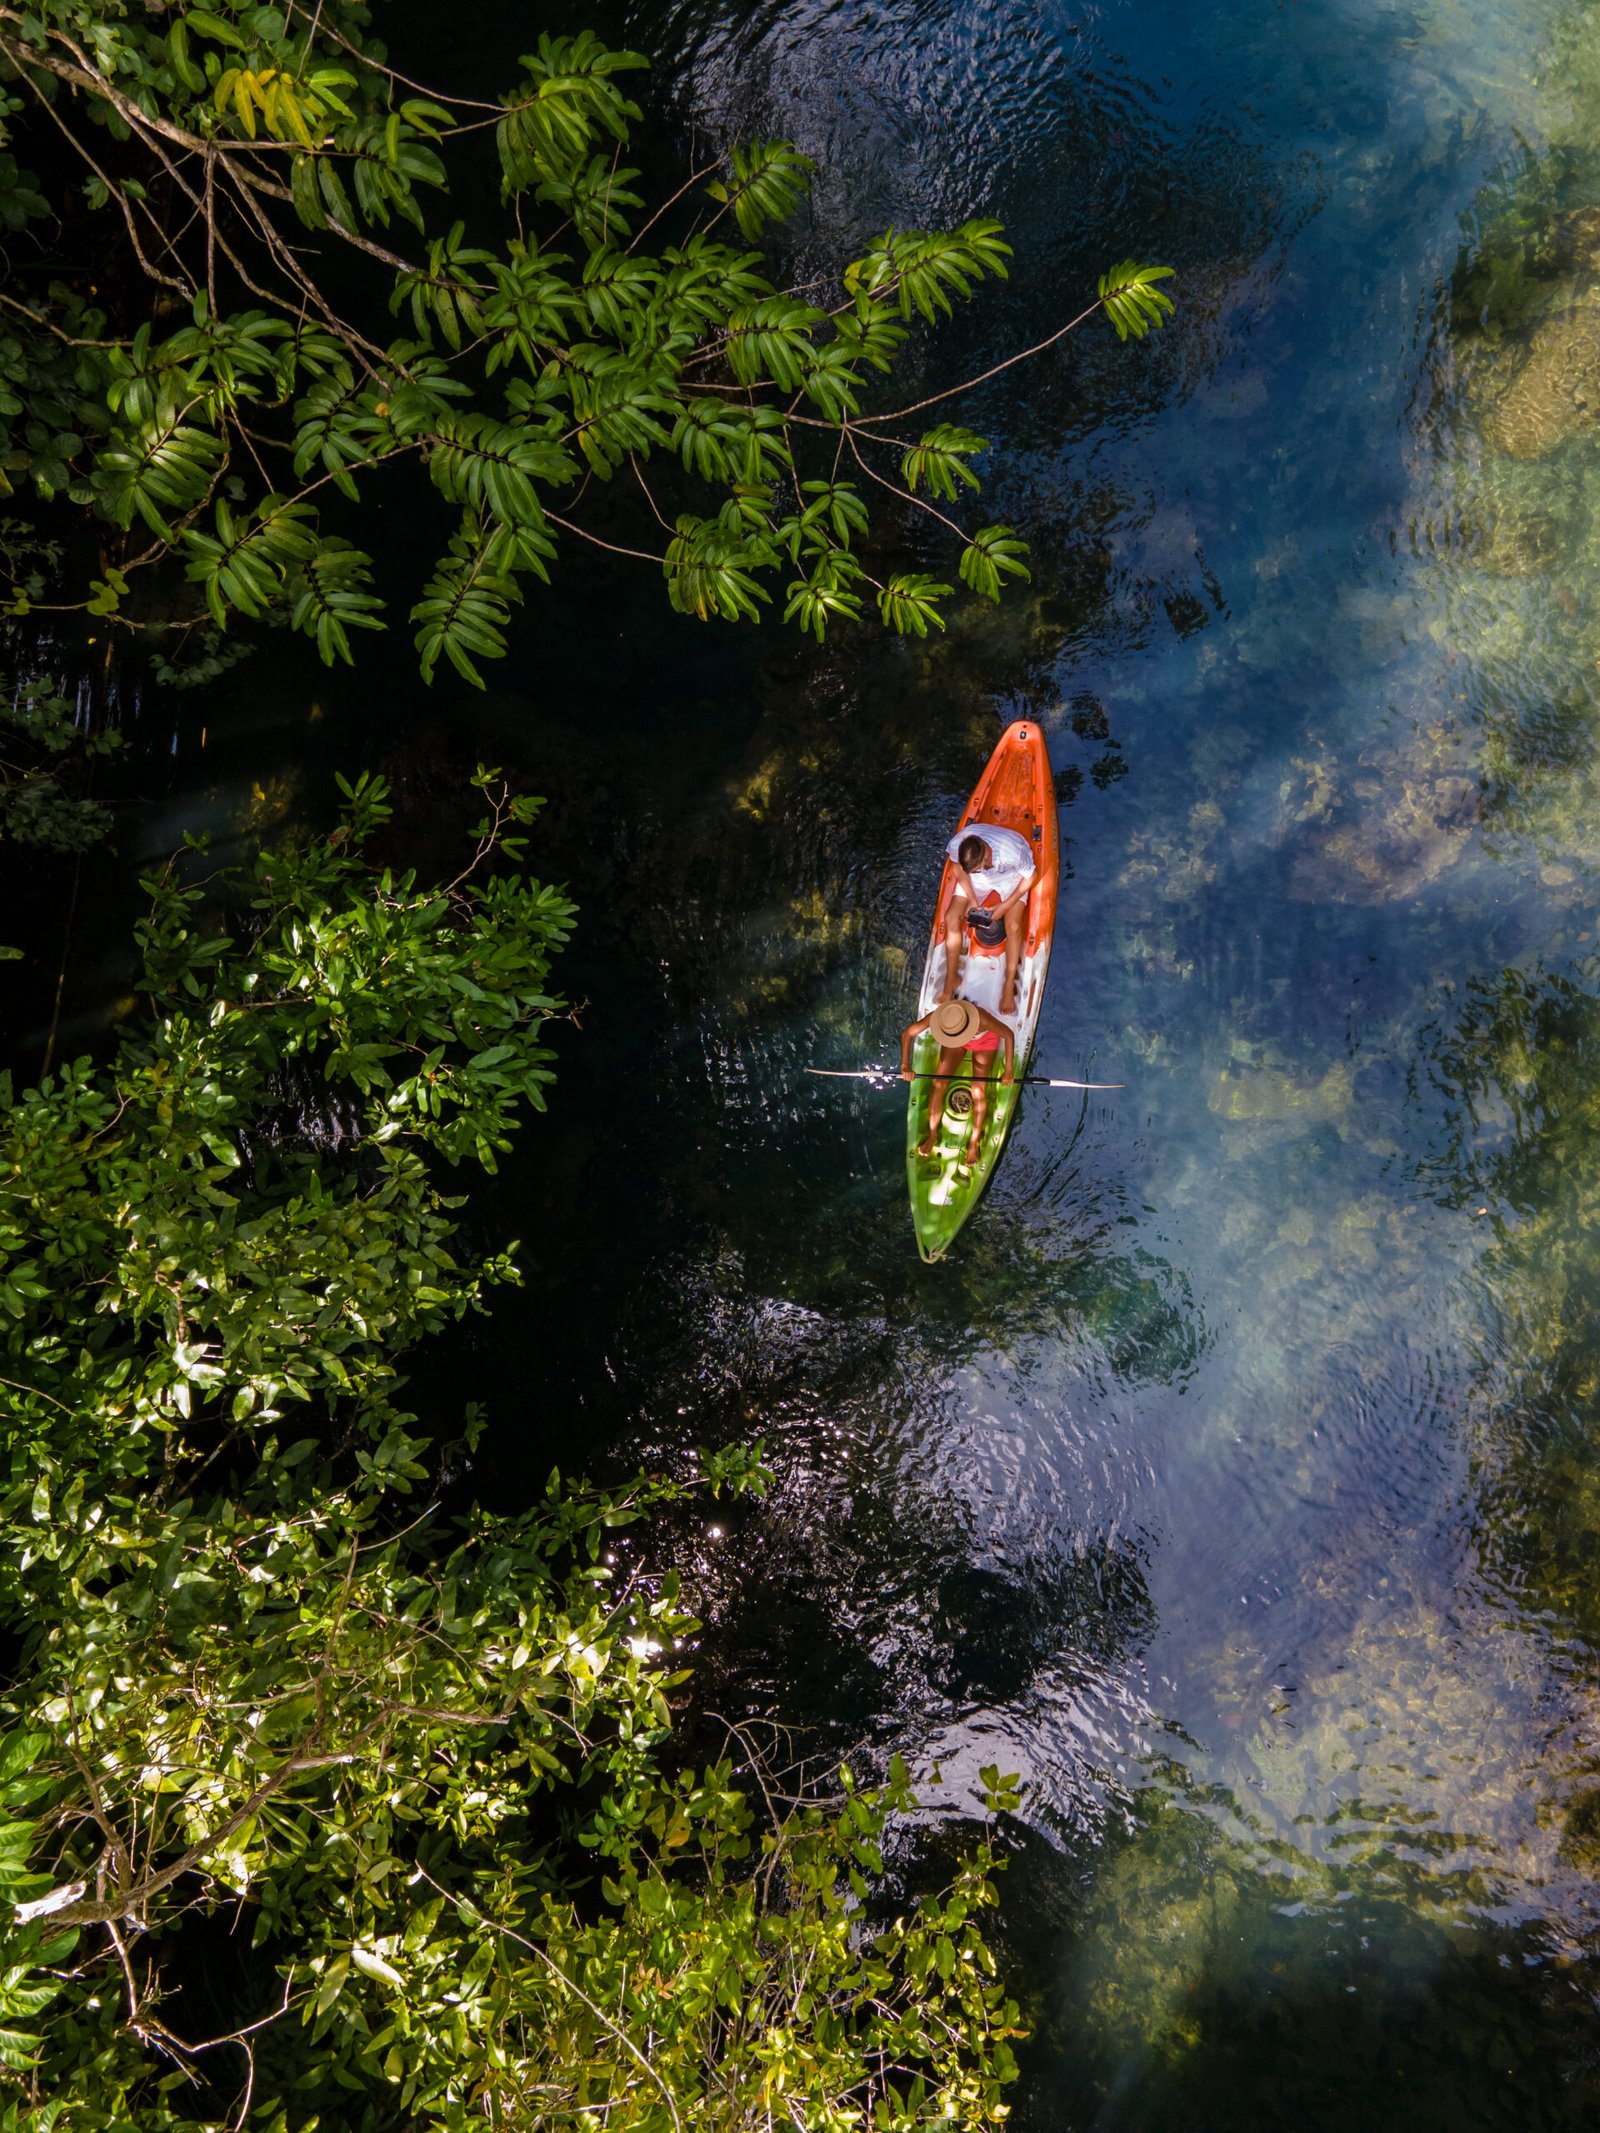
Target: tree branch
<point>970,384</point>
<point>643,555</point>
<point>50,325</point>
<point>113,191</point>
<point>130,1902</point>
<point>906,495</point>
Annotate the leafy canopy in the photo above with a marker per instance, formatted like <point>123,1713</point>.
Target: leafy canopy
<point>224,383</point>
<point>329,1797</point>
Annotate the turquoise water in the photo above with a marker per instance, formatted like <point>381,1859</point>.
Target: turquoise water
<point>1238,1479</point>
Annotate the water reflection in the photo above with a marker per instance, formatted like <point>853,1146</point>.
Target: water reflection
<point>947,1564</point>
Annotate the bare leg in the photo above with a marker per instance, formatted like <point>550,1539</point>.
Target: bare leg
<point>952,948</point>
<point>1016,933</point>
<point>937,1090</point>
<point>980,1110</point>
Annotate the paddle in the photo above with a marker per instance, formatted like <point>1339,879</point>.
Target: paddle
<point>886,1077</point>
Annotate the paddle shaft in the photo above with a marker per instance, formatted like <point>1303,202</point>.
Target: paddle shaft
<point>887,1076</point>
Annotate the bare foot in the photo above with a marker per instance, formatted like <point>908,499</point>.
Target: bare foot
<point>946,996</point>
<point>1008,999</point>
<point>925,1145</point>
<point>973,1144</point>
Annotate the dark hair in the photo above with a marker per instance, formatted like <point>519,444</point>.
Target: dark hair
<point>970,850</point>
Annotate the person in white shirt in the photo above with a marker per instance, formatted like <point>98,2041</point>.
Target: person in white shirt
<point>994,868</point>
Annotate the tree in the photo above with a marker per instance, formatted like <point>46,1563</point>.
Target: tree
<point>329,1797</point>
<point>223,386</point>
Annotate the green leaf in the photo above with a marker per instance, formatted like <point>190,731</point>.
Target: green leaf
<point>709,565</point>
<point>991,556</point>
<point>165,466</point>
<point>549,127</point>
<point>494,466</point>
<point>183,66</point>
<point>1132,301</point>
<point>826,594</point>
<point>939,459</point>
<point>19,1751</point>
<point>245,567</point>
<point>920,270</point>
<point>374,1966</point>
<point>769,180</point>
<point>908,604</point>
<point>330,597</point>
<point>771,339</point>
<point>205,24</point>
<point>464,610</point>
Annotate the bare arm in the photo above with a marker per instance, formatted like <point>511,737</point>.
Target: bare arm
<point>908,1036</point>
<point>1017,894</point>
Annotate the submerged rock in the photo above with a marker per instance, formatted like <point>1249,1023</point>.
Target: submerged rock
<point>1394,851</point>
<point>1269,1093</point>
<point>1310,792</point>
<point>1518,541</point>
<point>1556,390</point>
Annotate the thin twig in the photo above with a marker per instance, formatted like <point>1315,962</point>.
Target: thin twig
<point>687,186</point>
<point>72,340</point>
<point>578,1992</point>
<point>648,497</point>
<point>474,103</point>
<point>113,191</point>
<point>907,495</point>
<point>39,1393</point>
<point>643,554</point>
<point>61,974</point>
<point>970,384</point>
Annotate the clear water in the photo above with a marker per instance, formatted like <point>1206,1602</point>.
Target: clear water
<point>1238,1480</point>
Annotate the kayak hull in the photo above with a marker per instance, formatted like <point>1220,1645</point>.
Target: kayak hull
<point>1015,792</point>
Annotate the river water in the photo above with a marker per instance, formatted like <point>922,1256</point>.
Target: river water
<point>1237,1481</point>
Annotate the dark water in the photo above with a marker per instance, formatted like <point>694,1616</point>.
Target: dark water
<point>1238,1482</point>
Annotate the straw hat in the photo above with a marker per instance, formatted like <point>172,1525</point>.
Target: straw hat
<point>956,1022</point>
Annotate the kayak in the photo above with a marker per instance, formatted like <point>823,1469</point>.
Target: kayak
<point>1015,792</point>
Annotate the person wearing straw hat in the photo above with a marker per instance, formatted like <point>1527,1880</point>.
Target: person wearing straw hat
<point>960,1026</point>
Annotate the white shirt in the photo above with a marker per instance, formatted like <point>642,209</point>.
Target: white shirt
<point>1012,859</point>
